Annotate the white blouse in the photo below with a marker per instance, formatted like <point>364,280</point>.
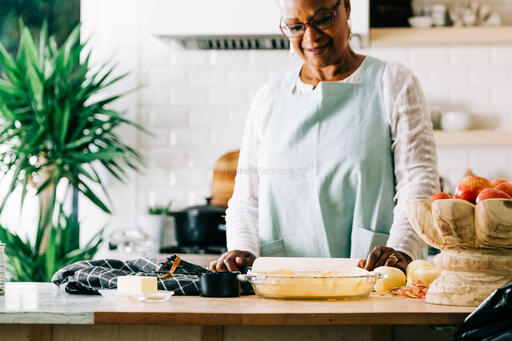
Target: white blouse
<point>414,150</point>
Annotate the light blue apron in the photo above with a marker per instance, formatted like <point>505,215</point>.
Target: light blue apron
<point>326,169</point>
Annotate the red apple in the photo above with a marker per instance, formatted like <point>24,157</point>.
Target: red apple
<point>470,186</point>
<point>439,196</point>
<point>505,187</point>
<point>496,182</point>
<point>492,193</point>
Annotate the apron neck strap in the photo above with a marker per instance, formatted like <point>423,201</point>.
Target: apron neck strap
<point>370,67</point>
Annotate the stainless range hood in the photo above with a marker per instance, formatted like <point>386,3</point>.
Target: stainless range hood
<point>233,24</point>
<point>228,42</point>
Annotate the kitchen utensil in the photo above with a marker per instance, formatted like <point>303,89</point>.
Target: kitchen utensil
<point>421,22</point>
<point>339,284</point>
<point>455,120</point>
<point>435,117</point>
<point>439,14</point>
<point>475,243</point>
<point>223,180</point>
<point>219,284</point>
<point>161,230</point>
<point>470,13</point>
<point>129,241</point>
<point>200,225</point>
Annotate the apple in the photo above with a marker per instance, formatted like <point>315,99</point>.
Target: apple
<point>505,187</point>
<point>439,196</point>
<point>470,186</point>
<point>496,182</point>
<point>492,193</point>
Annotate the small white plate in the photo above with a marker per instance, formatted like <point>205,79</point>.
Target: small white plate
<point>421,21</point>
<point>159,296</point>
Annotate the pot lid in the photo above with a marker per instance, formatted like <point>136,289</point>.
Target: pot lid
<point>204,209</point>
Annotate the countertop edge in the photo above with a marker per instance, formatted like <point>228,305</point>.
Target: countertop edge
<point>269,319</point>
<point>44,317</point>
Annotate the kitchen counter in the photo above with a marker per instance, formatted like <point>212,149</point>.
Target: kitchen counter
<point>38,306</point>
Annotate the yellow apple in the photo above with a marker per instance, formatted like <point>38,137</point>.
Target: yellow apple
<point>396,279</point>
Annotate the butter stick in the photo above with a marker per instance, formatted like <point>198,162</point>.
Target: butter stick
<point>136,284</point>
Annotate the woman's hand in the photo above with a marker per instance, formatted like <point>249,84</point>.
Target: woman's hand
<point>385,256</point>
<point>231,261</point>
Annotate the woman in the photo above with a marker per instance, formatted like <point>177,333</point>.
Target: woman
<point>331,152</point>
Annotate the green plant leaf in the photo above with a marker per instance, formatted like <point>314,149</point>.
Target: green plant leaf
<point>6,60</point>
<point>79,143</point>
<point>108,154</point>
<point>14,180</point>
<point>51,252</point>
<point>14,241</point>
<point>82,187</point>
<point>43,39</point>
<point>65,122</point>
<point>70,43</point>
<point>44,185</point>
<point>24,189</point>
<point>55,115</point>
<point>28,48</point>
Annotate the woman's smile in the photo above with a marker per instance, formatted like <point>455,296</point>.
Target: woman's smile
<point>317,50</point>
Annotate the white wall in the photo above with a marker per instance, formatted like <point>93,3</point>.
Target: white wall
<point>196,103</point>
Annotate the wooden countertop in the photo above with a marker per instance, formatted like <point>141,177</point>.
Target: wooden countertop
<point>45,303</point>
<point>252,310</point>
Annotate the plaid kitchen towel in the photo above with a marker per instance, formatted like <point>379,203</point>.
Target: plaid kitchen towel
<point>89,276</point>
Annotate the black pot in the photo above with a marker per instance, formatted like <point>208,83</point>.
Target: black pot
<point>219,284</point>
<point>201,225</point>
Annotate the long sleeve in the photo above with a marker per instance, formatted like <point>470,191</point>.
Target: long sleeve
<point>242,212</point>
<point>414,150</point>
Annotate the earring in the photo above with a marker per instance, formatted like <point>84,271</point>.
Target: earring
<point>349,29</point>
<point>292,50</point>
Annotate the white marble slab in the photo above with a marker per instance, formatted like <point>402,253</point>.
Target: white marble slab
<point>45,303</point>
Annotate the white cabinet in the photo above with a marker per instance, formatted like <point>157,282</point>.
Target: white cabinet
<point>223,19</point>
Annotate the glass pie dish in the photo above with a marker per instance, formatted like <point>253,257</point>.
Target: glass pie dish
<point>339,284</point>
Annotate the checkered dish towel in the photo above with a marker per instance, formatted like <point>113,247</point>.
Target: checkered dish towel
<point>89,276</point>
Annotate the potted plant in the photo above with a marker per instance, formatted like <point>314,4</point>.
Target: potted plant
<point>159,226</point>
<point>56,131</point>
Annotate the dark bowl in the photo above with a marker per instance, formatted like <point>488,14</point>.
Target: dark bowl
<point>219,284</point>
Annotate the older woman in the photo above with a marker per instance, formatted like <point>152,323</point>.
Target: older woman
<point>331,152</point>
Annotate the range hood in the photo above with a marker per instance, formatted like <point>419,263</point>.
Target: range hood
<point>233,24</point>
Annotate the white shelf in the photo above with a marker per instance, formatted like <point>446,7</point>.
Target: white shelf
<point>473,138</point>
<point>394,37</point>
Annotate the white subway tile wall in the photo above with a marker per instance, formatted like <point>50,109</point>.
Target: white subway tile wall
<point>196,103</point>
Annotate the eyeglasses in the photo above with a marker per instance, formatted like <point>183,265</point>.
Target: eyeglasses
<point>323,22</point>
